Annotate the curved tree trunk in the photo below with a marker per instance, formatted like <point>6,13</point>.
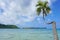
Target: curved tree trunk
<point>54,30</point>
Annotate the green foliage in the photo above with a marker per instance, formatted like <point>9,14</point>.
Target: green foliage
<point>43,7</point>
<point>39,3</point>
<point>38,10</point>
<point>8,26</point>
<point>48,10</point>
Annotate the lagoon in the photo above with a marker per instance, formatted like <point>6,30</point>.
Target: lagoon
<point>27,34</point>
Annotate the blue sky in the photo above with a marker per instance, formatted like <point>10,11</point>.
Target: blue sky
<point>56,12</point>
<point>23,13</point>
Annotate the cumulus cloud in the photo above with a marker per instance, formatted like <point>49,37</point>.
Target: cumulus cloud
<point>18,11</point>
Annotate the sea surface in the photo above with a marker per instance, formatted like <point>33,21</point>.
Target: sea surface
<point>27,34</point>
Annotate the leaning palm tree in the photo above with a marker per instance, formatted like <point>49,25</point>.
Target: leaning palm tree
<point>42,7</point>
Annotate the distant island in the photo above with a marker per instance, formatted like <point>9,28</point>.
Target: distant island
<point>3,26</point>
<point>34,28</point>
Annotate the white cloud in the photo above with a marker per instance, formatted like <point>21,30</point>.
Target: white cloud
<point>16,13</point>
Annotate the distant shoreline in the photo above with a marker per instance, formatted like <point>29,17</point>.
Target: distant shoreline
<point>3,26</point>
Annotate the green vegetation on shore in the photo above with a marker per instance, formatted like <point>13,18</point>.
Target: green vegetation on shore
<point>3,26</point>
<point>8,26</point>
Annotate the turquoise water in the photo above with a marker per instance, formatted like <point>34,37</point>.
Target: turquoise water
<point>26,34</point>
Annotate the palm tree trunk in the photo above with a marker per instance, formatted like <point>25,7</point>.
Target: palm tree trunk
<point>55,31</point>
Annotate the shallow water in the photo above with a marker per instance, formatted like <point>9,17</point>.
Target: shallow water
<point>26,34</point>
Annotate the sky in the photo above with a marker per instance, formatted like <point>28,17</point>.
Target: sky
<point>23,13</point>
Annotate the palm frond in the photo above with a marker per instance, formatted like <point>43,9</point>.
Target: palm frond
<point>45,4</point>
<point>38,11</point>
<point>39,3</point>
<point>43,7</point>
<point>48,9</point>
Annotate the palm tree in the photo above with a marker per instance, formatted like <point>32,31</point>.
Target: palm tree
<point>42,7</point>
